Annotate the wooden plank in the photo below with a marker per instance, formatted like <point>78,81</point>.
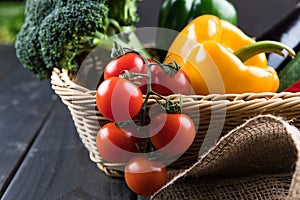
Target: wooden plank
<point>7,64</point>
<point>286,32</point>
<point>24,104</point>
<point>58,167</point>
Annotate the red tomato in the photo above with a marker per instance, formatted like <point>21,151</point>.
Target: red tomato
<point>145,177</point>
<point>161,83</point>
<point>130,61</point>
<point>165,85</point>
<point>116,145</point>
<point>118,99</point>
<point>172,133</point>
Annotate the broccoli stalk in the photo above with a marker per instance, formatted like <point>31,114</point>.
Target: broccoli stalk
<point>57,33</point>
<point>125,11</point>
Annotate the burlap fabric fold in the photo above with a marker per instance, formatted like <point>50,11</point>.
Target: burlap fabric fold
<point>258,160</point>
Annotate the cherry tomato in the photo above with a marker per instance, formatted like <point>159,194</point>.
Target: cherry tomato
<point>118,99</point>
<point>130,61</point>
<point>161,83</point>
<point>165,85</point>
<point>145,177</point>
<point>115,144</point>
<point>172,133</point>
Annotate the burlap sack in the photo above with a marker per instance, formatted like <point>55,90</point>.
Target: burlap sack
<point>258,160</point>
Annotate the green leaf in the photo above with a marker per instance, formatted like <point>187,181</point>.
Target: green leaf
<point>290,74</point>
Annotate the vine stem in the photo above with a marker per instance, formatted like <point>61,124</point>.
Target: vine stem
<point>151,92</point>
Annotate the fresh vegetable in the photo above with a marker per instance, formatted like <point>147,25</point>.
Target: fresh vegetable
<point>174,15</point>
<point>118,99</point>
<point>145,177</point>
<point>124,12</point>
<point>165,84</point>
<point>293,88</point>
<point>131,62</point>
<point>59,33</point>
<point>172,133</point>
<point>205,49</point>
<point>165,79</point>
<point>290,73</point>
<point>115,144</point>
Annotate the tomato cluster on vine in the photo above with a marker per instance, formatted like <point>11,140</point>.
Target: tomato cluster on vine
<point>129,81</point>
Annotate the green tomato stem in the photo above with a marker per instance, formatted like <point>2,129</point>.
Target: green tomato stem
<point>266,46</point>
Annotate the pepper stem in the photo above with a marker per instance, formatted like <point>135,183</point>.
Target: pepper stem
<point>266,46</point>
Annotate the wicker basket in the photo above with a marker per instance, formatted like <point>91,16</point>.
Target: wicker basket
<point>227,111</point>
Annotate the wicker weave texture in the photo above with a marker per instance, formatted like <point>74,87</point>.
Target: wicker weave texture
<point>208,112</point>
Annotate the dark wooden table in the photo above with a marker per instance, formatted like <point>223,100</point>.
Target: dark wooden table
<point>41,155</point>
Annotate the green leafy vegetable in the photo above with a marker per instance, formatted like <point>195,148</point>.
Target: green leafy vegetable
<point>58,33</point>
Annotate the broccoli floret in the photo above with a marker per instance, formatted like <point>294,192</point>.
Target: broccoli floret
<point>37,10</point>
<point>70,31</point>
<point>28,50</point>
<point>57,33</point>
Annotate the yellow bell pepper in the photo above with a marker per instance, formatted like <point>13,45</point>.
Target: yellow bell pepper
<point>205,51</point>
